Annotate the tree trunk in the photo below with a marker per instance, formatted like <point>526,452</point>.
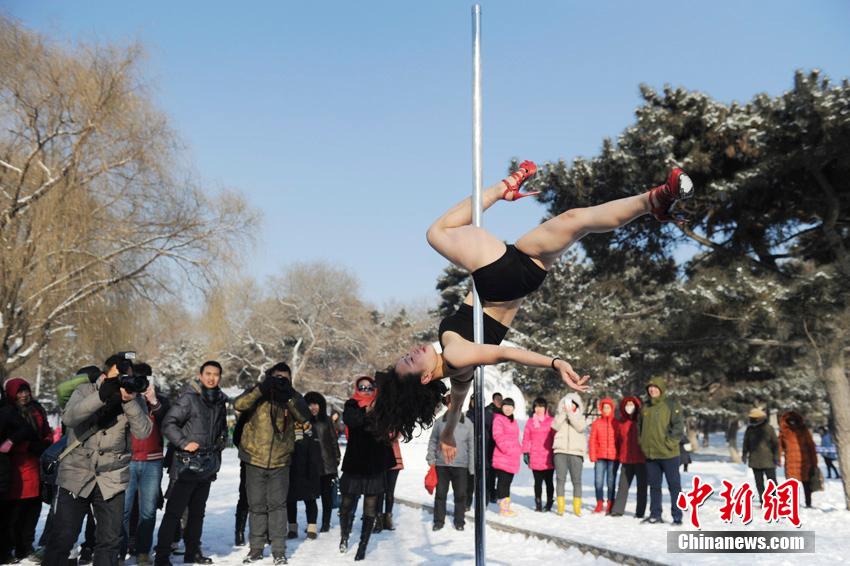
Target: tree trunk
<point>706,430</point>
<point>732,440</point>
<point>692,424</point>
<point>838,392</point>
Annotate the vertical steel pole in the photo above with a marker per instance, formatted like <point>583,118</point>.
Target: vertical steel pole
<point>478,313</point>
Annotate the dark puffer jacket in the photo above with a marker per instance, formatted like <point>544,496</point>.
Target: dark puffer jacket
<point>193,418</point>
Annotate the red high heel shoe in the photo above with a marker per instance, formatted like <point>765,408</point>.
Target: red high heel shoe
<point>662,198</point>
<point>526,169</point>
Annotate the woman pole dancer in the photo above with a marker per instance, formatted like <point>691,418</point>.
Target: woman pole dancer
<point>410,391</point>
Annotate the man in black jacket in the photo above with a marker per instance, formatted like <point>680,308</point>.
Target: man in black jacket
<point>197,427</point>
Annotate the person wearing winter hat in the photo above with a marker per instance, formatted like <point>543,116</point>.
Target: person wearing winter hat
<point>364,466</point>
<point>631,458</point>
<point>64,390</point>
<point>660,427</point>
<point>325,431</point>
<point>569,446</point>
<point>603,453</point>
<point>269,412</point>
<point>25,435</point>
<point>760,450</point>
<point>506,455</point>
<point>537,451</point>
<point>99,418</point>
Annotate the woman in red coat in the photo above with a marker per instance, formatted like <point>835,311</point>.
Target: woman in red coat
<point>26,434</point>
<point>630,457</point>
<point>602,448</point>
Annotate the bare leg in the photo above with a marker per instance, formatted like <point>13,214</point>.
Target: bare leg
<point>547,242</point>
<point>467,246</point>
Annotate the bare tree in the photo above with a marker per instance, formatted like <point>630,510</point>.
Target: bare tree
<point>312,318</point>
<point>91,196</point>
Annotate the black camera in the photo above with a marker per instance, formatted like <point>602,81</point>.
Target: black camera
<point>131,380</point>
<point>133,383</point>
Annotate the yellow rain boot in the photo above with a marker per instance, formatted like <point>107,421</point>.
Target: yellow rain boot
<point>577,506</point>
<point>505,508</point>
<point>562,504</point>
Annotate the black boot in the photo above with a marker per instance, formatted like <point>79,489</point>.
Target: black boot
<point>345,531</point>
<point>538,504</point>
<point>241,520</point>
<point>549,503</point>
<point>379,524</point>
<point>388,522</point>
<point>365,533</point>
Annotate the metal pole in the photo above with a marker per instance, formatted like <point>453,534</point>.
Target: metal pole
<point>481,495</point>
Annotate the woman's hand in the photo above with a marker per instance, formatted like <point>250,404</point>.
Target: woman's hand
<point>448,446</point>
<point>570,377</point>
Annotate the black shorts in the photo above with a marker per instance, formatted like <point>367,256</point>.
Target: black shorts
<point>511,277</point>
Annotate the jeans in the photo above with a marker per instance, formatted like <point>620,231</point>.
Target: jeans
<point>267,491</point>
<point>145,480</point>
<point>669,468</point>
<point>628,473</point>
<point>183,495</point>
<point>68,518</point>
<point>457,478</point>
<point>604,472</point>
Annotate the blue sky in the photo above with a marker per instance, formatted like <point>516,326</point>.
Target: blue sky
<point>348,124</point>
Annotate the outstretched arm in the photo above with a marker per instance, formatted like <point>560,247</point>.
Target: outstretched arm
<point>462,353</point>
<point>447,437</point>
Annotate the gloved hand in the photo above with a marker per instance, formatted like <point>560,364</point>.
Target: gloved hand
<point>526,458</point>
<point>109,390</point>
<point>266,386</point>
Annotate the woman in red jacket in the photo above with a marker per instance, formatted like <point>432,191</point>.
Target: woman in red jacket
<point>603,452</point>
<point>26,435</point>
<point>631,457</point>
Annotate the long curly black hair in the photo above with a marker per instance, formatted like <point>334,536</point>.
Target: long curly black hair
<point>403,402</point>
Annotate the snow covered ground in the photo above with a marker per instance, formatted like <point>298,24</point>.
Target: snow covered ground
<point>413,542</point>
<point>827,517</point>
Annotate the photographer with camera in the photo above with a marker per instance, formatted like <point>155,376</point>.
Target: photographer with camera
<point>266,446</point>
<point>144,491</point>
<point>93,469</point>
<point>197,427</point>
